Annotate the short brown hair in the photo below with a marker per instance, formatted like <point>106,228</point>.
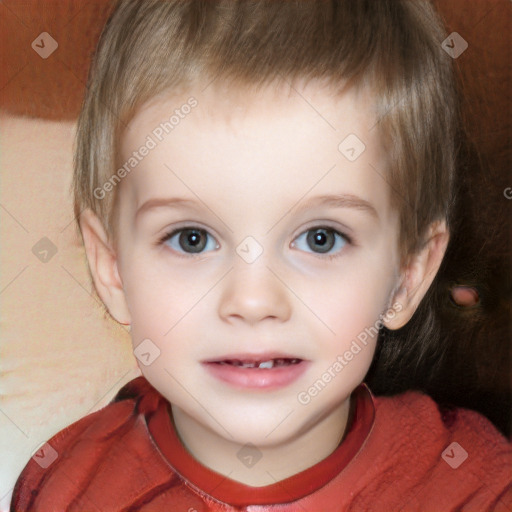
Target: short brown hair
<point>391,46</point>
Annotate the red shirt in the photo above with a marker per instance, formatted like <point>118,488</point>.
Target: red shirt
<point>399,453</point>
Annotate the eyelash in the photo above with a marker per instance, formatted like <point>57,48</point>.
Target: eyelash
<point>349,240</point>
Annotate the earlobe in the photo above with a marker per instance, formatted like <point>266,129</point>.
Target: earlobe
<point>103,265</point>
<point>418,275</point>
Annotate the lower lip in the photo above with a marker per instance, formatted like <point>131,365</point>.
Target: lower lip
<point>257,378</point>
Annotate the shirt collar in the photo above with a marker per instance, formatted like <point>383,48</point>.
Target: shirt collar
<point>157,414</point>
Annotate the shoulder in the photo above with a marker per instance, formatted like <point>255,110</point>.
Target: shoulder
<point>450,455</point>
<point>416,414</point>
<point>62,466</point>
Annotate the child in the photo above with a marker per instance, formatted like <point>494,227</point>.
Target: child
<point>305,153</point>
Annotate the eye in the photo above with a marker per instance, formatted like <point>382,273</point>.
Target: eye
<point>321,240</point>
<point>190,240</point>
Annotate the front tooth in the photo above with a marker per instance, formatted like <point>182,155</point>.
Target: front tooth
<point>267,364</point>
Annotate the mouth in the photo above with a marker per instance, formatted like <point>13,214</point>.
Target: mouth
<point>260,364</point>
<point>257,371</point>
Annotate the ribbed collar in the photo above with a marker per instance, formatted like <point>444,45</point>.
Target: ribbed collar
<point>157,413</point>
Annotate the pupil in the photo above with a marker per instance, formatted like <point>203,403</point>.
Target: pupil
<point>321,240</point>
<point>192,240</point>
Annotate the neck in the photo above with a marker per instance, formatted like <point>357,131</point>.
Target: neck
<point>259,466</point>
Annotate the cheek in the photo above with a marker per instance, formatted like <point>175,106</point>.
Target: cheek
<point>351,305</point>
<point>158,297</point>
<point>162,306</point>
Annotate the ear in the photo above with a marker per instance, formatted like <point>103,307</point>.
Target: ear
<point>103,264</point>
<point>418,275</point>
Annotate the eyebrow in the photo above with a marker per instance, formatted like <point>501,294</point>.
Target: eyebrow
<point>163,202</point>
<point>333,201</point>
<point>339,201</point>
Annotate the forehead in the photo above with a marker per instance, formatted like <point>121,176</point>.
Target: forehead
<point>279,102</point>
<point>274,143</point>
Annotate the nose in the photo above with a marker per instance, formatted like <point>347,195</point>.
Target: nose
<point>252,293</point>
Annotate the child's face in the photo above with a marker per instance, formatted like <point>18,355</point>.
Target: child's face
<point>249,173</point>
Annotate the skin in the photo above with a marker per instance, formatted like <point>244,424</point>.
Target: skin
<point>250,163</point>
<point>465,296</point>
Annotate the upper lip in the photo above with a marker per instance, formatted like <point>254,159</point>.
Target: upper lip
<point>251,357</point>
